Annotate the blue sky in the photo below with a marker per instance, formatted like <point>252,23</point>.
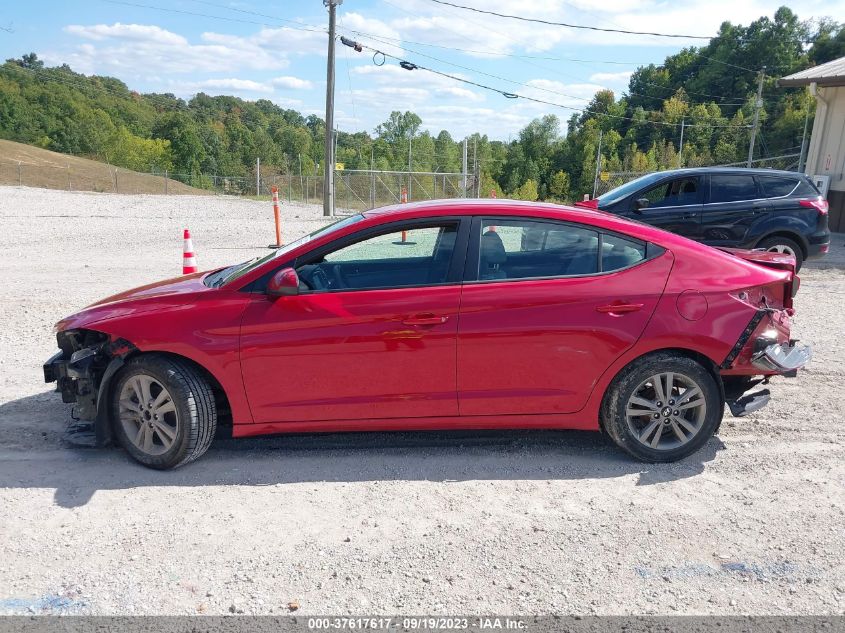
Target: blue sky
<point>224,47</point>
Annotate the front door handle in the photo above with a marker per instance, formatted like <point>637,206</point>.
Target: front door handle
<point>620,308</point>
<point>426,318</point>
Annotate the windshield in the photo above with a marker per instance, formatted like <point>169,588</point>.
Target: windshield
<point>623,191</point>
<point>227,275</point>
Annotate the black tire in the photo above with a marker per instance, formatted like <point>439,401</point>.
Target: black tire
<point>784,242</point>
<point>616,403</point>
<point>194,406</point>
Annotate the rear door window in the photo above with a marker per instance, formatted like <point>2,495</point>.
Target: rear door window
<point>777,186</point>
<point>525,249</point>
<point>732,188</point>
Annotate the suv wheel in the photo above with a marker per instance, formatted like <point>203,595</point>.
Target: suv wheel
<point>778,244</point>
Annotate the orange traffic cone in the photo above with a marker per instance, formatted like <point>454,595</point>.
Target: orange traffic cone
<point>492,193</point>
<point>189,261</point>
<point>404,195</point>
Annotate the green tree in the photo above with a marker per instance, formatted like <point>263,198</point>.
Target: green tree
<point>559,186</point>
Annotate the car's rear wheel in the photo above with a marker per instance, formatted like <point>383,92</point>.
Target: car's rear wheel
<point>163,410</point>
<point>662,407</point>
<point>778,244</point>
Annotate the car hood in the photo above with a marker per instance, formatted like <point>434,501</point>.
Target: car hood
<point>154,296</point>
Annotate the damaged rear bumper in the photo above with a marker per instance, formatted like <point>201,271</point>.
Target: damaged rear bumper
<point>782,358</point>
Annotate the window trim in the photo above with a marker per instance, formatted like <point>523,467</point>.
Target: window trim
<point>453,275</point>
<point>473,252</point>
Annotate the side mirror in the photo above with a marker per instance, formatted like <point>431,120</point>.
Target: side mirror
<point>283,284</point>
<point>640,204</point>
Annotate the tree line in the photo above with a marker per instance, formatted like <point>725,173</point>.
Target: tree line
<point>706,93</point>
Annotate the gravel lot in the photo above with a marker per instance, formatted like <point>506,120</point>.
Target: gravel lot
<point>527,522</point>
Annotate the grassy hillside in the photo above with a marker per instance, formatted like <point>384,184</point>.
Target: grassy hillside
<point>52,170</point>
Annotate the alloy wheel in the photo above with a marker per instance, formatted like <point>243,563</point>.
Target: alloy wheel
<point>666,411</point>
<point>781,248</point>
<point>148,414</point>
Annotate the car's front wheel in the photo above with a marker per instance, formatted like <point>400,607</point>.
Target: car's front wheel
<point>662,407</point>
<point>163,410</point>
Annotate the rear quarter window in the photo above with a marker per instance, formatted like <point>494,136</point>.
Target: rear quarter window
<point>619,252</point>
<point>777,186</point>
<point>806,189</point>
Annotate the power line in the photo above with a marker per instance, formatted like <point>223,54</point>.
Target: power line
<point>510,95</point>
<point>311,28</point>
<point>518,57</point>
<point>571,26</point>
<point>527,85</point>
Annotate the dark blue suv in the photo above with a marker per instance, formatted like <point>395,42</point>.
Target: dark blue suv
<point>742,208</point>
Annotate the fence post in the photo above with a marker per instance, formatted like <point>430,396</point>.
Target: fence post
<point>165,182</point>
<point>20,177</point>
<point>68,177</point>
<point>347,183</point>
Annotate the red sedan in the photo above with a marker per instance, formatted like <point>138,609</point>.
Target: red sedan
<point>442,315</point>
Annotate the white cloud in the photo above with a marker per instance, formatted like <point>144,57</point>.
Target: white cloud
<point>571,95</point>
<point>612,78</point>
<point>223,86</point>
<point>136,32</point>
<point>426,84</point>
<point>129,49</point>
<point>292,83</point>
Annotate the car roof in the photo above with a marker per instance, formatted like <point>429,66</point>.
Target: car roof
<point>754,171</point>
<point>473,206</point>
<point>540,211</point>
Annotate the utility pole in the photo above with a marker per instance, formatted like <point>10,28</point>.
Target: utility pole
<point>258,176</point>
<point>410,139</point>
<point>598,164</point>
<point>757,105</point>
<point>475,163</point>
<point>328,170</point>
<point>803,156</point>
<point>464,177</point>
<point>681,145</point>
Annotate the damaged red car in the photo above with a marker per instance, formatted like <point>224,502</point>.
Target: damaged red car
<point>482,314</point>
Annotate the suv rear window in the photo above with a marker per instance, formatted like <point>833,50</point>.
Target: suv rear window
<point>807,188</point>
<point>777,186</point>
<point>732,188</point>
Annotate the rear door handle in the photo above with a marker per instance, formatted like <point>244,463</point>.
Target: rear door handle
<point>620,308</point>
<point>425,319</point>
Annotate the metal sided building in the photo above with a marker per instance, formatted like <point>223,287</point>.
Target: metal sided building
<point>826,155</point>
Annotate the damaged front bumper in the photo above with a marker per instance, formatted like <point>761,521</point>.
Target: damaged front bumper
<point>75,379</point>
<point>83,370</point>
<point>782,358</point>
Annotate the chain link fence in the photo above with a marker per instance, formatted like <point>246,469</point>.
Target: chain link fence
<point>354,189</point>
<point>608,180</point>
